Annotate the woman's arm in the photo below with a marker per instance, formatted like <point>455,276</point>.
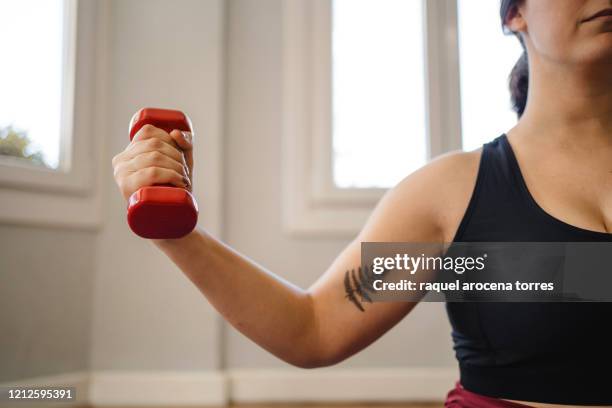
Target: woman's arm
<point>321,325</point>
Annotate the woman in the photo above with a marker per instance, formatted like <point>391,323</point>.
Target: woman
<point>547,179</point>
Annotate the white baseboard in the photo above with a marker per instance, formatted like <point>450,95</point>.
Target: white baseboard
<point>171,388</point>
<point>334,385</point>
<point>78,380</point>
<point>150,388</point>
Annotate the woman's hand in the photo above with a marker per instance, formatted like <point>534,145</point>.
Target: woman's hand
<point>154,157</point>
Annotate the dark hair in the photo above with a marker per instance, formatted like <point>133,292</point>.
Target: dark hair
<point>519,76</point>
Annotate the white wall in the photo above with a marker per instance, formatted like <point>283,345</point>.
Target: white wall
<point>45,292</point>
<point>147,316</point>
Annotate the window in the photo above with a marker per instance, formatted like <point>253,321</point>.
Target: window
<point>375,88</point>
<point>52,177</point>
<point>486,59</point>
<point>379,133</point>
<point>32,47</point>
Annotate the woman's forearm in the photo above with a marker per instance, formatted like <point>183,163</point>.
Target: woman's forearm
<point>269,310</point>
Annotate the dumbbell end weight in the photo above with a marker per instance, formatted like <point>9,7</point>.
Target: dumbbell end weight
<point>161,212</point>
<point>166,119</point>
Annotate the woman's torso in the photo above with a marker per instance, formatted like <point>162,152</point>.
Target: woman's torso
<point>550,352</point>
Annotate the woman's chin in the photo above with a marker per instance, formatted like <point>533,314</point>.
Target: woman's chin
<point>599,52</point>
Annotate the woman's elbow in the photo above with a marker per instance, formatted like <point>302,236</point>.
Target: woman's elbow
<point>318,359</point>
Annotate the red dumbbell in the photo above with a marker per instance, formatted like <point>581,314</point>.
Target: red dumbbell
<point>161,211</point>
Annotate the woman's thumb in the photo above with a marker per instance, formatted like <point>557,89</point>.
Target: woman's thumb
<point>183,139</point>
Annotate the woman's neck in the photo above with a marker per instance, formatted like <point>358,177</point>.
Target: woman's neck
<point>566,101</point>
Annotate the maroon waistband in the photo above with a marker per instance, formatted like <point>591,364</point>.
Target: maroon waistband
<point>459,397</point>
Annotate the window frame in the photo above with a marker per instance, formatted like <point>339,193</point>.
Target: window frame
<point>70,195</point>
<point>21,174</point>
<point>312,204</point>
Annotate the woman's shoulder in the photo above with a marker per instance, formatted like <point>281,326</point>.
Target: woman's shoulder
<point>455,164</point>
<point>444,186</point>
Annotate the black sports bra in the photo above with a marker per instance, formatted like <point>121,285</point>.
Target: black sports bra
<point>557,353</point>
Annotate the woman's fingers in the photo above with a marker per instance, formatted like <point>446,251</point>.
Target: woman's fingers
<point>152,145</point>
<point>155,157</point>
<point>151,159</point>
<point>151,132</point>
<point>154,175</point>
<point>150,136</point>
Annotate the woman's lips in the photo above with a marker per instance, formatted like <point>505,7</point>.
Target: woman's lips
<point>605,13</point>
